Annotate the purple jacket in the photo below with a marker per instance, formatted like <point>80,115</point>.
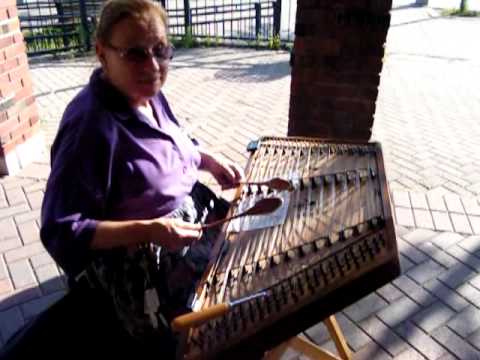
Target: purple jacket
<point>108,162</point>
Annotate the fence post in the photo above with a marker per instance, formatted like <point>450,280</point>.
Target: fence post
<point>84,25</point>
<point>277,16</point>
<point>258,20</point>
<point>188,17</point>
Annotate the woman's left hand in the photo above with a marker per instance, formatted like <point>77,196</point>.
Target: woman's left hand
<point>226,172</point>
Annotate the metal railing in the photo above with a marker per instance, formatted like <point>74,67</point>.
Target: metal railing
<point>57,26</point>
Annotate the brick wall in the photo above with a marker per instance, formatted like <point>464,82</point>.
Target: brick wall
<point>20,139</point>
<point>336,62</point>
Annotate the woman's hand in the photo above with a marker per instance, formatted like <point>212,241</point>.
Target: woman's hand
<point>226,173</point>
<point>173,234</point>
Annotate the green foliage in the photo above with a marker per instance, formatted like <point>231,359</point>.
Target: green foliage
<point>462,11</point>
<point>188,41</point>
<point>50,38</point>
<point>208,41</point>
<point>274,43</point>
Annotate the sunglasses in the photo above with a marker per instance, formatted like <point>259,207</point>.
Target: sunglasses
<point>137,54</point>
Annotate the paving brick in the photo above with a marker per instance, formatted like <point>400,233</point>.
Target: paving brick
<point>13,210</point>
<point>447,356</point>
<point>398,311</point>
<point>36,306</point>
<point>405,263</point>
<point>471,206</point>
<point>27,216</point>
<point>19,296</point>
<point>470,293</point>
<point>418,200</point>
<point>441,220</point>
<point>423,219</point>
<point>438,255</point>
<point>41,259</point>
<point>425,271</point>
<point>24,252</point>
<point>35,199</point>
<point>5,286</point>
<point>12,243</point>
<point>466,321</point>
<point>383,335</point>
<point>454,204</point>
<point>471,244</point>
<point>49,278</point>
<point>29,232</point>
<point>464,256</point>
<point>422,342</point>
<point>461,223</point>
<point>419,236</point>
<point>10,321</point>
<point>446,295</point>
<point>400,231</point>
<point>401,198</point>
<point>455,344</point>
<point>413,290</point>
<point>3,268</point>
<point>21,273</point>
<point>367,306</point>
<point>436,202</point>
<point>411,252</point>
<point>15,196</point>
<point>456,275</point>
<point>475,281</point>
<point>409,354</point>
<point>475,222</point>
<point>13,182</point>
<point>389,292</point>
<point>446,239</point>
<point>372,351</point>
<point>35,187</point>
<point>474,339</point>
<point>8,229</point>
<point>433,316</point>
<point>404,216</point>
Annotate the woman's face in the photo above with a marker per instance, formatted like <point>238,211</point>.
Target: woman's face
<point>128,59</point>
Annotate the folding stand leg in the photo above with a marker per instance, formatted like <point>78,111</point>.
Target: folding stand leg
<point>312,350</point>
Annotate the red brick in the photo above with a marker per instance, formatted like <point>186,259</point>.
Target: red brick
<point>6,41</point>
<point>12,12</point>
<point>7,126</point>
<point>18,37</point>
<point>19,72</point>
<point>14,50</point>
<point>7,3</point>
<point>8,65</point>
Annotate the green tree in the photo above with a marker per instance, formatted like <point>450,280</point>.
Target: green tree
<point>463,5</point>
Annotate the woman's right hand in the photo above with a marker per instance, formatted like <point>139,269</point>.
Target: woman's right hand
<point>173,234</point>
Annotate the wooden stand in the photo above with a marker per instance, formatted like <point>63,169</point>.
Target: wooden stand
<point>311,350</point>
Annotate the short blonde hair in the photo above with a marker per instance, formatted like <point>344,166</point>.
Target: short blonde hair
<point>114,11</point>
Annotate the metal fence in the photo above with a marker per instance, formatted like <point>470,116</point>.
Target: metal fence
<point>53,26</point>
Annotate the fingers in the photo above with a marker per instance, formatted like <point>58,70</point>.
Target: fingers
<point>174,234</point>
<point>232,175</point>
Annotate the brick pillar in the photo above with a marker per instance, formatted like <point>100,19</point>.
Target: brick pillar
<point>20,138</point>
<point>336,62</point>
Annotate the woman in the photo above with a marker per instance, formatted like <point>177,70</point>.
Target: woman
<point>122,198</point>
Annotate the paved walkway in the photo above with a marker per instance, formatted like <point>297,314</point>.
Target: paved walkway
<point>426,120</point>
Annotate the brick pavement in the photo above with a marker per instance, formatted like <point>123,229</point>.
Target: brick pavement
<point>425,119</point>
